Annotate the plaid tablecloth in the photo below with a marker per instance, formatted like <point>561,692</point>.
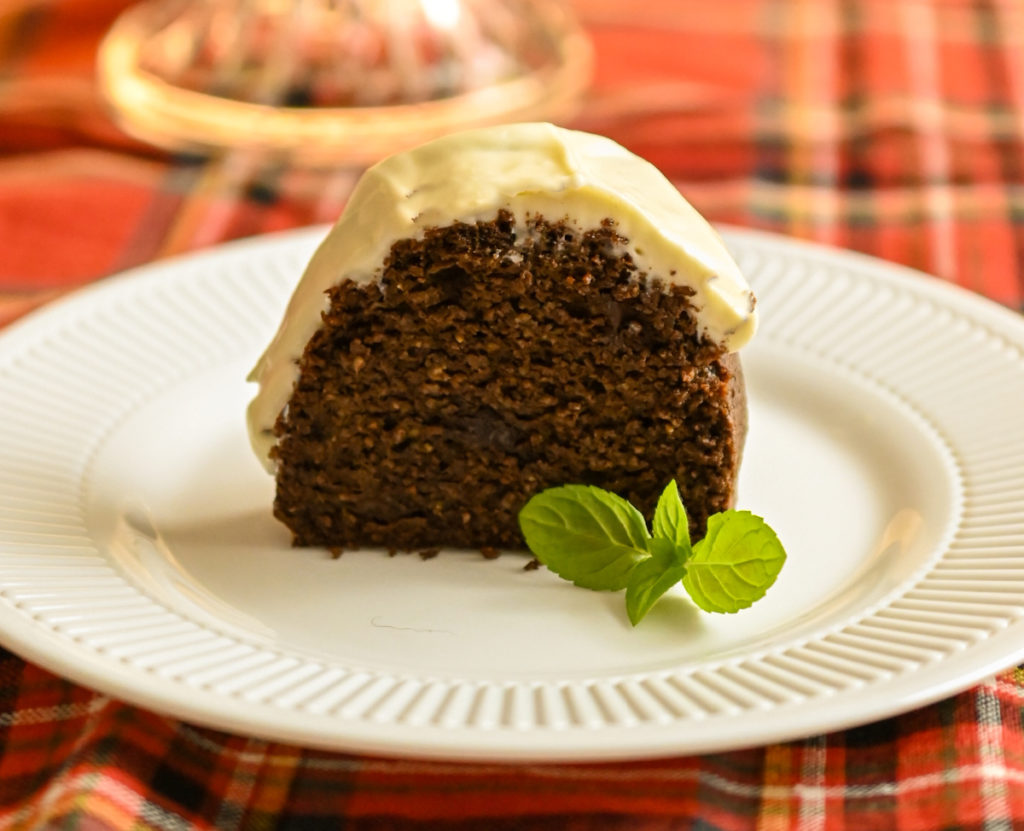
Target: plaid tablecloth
<point>894,127</point>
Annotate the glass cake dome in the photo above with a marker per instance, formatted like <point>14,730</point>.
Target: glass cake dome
<point>327,81</point>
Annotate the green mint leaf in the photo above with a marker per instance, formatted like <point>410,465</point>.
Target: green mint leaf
<point>735,564</point>
<point>584,534</point>
<point>653,577</point>
<point>670,522</point>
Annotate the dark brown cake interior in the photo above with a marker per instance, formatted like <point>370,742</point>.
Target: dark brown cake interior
<point>484,368</point>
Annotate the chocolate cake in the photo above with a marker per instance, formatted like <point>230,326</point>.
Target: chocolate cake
<point>498,312</point>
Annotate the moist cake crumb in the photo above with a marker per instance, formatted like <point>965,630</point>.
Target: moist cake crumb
<point>489,364</point>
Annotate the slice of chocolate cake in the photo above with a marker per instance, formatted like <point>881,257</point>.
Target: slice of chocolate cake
<point>495,313</point>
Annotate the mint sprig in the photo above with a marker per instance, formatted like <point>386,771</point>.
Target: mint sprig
<point>598,540</point>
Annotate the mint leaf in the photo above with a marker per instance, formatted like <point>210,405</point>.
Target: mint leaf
<point>735,564</point>
<point>670,522</point>
<point>654,576</point>
<point>584,534</point>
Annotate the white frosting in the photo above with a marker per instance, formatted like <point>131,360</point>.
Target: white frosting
<point>527,169</point>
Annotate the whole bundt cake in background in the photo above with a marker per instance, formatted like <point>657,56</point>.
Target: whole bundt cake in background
<point>497,312</point>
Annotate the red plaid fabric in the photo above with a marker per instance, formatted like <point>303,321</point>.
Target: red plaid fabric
<point>894,127</point>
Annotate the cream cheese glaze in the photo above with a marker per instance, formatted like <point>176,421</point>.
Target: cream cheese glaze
<point>527,169</point>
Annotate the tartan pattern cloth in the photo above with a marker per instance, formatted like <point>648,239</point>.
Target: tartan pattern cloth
<point>893,127</point>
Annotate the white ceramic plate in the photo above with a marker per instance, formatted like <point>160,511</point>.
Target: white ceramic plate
<point>138,554</point>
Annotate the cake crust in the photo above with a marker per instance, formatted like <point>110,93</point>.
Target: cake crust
<point>487,365</point>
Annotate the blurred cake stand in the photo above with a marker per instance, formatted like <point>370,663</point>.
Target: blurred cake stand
<point>329,81</point>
